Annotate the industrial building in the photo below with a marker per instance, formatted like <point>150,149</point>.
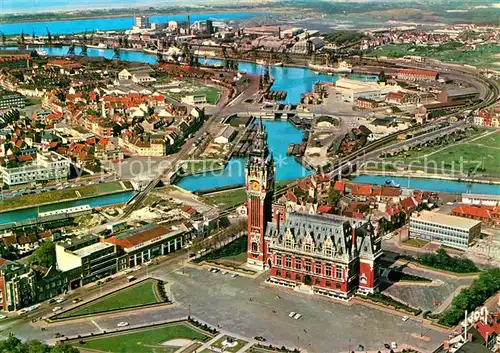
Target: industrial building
<point>142,21</point>
<point>455,232</point>
<point>461,94</point>
<point>352,90</point>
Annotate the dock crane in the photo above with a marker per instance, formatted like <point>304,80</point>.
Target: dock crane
<point>3,37</point>
<point>49,36</point>
<point>84,50</point>
<point>71,50</point>
<point>116,55</point>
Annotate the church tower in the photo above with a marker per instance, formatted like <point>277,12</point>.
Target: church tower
<point>259,182</point>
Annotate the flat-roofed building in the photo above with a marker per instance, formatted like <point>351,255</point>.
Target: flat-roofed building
<point>455,232</point>
<point>352,90</point>
<point>47,166</point>
<point>459,94</point>
<point>11,100</point>
<point>481,199</point>
<point>140,245</point>
<point>96,259</point>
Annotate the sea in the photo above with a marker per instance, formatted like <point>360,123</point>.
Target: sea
<point>110,23</point>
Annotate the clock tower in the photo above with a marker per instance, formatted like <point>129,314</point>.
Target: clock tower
<point>259,182</point>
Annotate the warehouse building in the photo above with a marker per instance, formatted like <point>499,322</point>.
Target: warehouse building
<point>455,232</point>
<point>461,94</point>
<point>352,90</point>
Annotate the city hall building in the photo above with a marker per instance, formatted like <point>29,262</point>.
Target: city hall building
<point>333,256</point>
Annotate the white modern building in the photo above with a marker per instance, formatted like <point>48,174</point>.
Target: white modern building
<point>351,90</point>
<point>481,199</point>
<point>452,231</point>
<point>47,166</point>
<point>94,258</point>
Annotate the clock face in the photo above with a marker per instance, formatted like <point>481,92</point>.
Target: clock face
<point>255,185</point>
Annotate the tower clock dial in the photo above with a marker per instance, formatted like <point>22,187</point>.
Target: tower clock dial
<point>255,185</point>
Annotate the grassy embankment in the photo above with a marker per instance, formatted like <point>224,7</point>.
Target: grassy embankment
<point>231,198</point>
<point>485,56</point>
<point>33,200</point>
<point>481,155</point>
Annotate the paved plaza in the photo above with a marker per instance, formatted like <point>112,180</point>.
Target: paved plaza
<point>244,307</point>
<point>423,296</point>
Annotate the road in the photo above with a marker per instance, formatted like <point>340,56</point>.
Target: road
<point>216,116</point>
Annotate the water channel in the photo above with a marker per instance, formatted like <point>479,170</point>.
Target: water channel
<point>109,23</point>
<point>98,201</point>
<point>294,80</point>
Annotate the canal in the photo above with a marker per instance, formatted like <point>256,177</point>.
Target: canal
<point>107,24</point>
<point>280,134</point>
<point>455,187</point>
<point>98,201</point>
<point>294,80</point>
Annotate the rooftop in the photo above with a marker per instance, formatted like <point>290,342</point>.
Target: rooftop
<point>89,250</point>
<point>447,220</point>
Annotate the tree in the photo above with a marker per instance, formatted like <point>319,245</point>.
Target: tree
<point>307,280</point>
<point>45,255</point>
<point>63,348</point>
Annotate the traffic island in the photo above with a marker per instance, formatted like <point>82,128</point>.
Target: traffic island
<point>146,293</point>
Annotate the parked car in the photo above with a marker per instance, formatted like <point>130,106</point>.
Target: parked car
<point>60,300</point>
<point>292,314</point>
<point>387,346</point>
<point>52,301</point>
<point>297,316</point>
<point>76,300</point>
<point>3,317</point>
<point>405,318</point>
<point>22,311</point>
<point>394,345</point>
<point>234,275</point>
<point>122,324</point>
<point>57,308</point>
<point>130,278</point>
<point>109,279</point>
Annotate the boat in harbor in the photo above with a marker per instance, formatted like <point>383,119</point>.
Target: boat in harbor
<point>280,64</point>
<point>341,68</point>
<point>261,62</point>
<point>391,182</point>
<point>41,52</point>
<point>98,46</point>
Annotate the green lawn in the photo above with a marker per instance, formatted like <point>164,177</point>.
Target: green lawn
<point>218,344</point>
<point>416,243</point>
<point>460,157</point>
<point>492,140</point>
<point>140,294</point>
<point>466,157</point>
<point>227,199</point>
<point>211,93</point>
<point>483,56</point>
<point>146,341</point>
<point>236,197</point>
<point>200,166</point>
<point>60,195</point>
